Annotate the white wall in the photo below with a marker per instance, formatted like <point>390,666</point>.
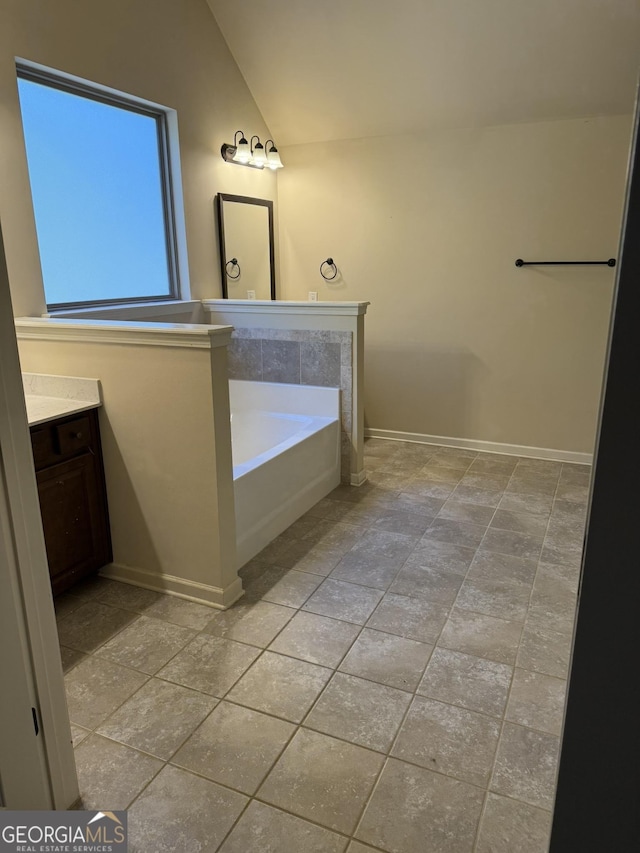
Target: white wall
<point>167,51</point>
<point>459,342</point>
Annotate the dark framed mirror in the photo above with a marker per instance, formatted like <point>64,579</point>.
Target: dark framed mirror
<point>245,232</point>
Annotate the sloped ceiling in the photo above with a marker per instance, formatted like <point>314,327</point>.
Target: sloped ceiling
<point>338,69</point>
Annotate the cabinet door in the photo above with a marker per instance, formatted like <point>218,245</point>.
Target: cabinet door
<point>72,519</point>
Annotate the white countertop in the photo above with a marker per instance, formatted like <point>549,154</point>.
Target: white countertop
<point>51,397</point>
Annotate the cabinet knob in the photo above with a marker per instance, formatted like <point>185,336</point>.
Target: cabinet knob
<point>77,435</point>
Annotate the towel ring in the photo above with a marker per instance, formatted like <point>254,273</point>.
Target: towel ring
<point>234,263</point>
<point>329,262</point>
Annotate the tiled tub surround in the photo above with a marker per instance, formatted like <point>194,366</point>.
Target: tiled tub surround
<point>286,456</point>
<point>299,357</point>
<point>392,680</point>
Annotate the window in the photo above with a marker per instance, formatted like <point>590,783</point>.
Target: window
<point>101,187</point>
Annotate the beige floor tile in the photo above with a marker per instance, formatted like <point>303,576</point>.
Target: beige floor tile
<point>473,495</point>
<point>313,560</point>
<point>91,625</point>
<point>525,767</point>
<point>386,544</point>
<point>554,593</point>
<point>527,545</point>
<point>509,825</point>
<point>182,812</point>
<point>448,739</point>
<point>544,651</point>
<point>428,488</point>
<point>367,569</point>
<point>264,829</point>
<point>426,506</point>
<point>543,618</point>
<point>359,711</point>
<point>341,600</point>
<point>316,639</point>
<point>387,659</point>
<point>438,586</point>
<point>158,718</point>
<point>573,492</point>
<point>282,686</point>
<point>466,512</point>
<point>111,775</point>
<point>128,597</point>
<point>255,623</point>
<point>401,521</point>
<point>181,612</point>
<point>537,701</point>
<point>568,510</point>
<point>78,734</point>
<point>70,657</point>
<point>487,463</point>
<point>472,682</point>
<point>523,522</point>
<point>503,599</point>
<point>65,604</point>
<point>492,480</point>
<point>444,470</point>
<point>210,664</point>
<point>146,645</point>
<point>541,467</point>
<point>533,504</point>
<point>414,811</point>
<point>456,532</point>
<point>95,688</point>
<point>480,635</point>
<point>322,779</point>
<point>489,566</point>
<point>441,555</point>
<point>404,616</point>
<point>286,587</point>
<point>532,484</point>
<point>235,746</point>
<point>358,847</point>
<point>89,588</point>
<point>335,534</point>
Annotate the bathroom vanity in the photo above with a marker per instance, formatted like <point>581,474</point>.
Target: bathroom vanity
<point>65,438</point>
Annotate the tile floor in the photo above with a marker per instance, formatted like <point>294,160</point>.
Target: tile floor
<point>393,678</point>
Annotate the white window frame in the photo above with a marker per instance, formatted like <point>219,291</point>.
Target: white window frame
<point>169,162</point>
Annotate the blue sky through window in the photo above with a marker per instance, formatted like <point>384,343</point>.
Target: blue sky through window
<point>97,195</point>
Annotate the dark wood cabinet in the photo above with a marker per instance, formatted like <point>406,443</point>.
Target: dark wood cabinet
<point>73,501</point>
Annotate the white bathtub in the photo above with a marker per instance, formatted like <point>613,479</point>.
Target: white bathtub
<point>286,456</point>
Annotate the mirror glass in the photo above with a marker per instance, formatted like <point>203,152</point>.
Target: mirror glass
<point>245,230</point>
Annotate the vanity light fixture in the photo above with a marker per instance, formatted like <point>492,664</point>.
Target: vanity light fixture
<point>273,158</point>
<point>258,156</point>
<point>244,154</point>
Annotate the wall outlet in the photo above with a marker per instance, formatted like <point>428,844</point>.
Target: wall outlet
<point>251,294</point>
<point>313,296</point>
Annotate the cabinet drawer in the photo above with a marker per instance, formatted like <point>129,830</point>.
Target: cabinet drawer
<point>73,436</point>
<point>44,452</point>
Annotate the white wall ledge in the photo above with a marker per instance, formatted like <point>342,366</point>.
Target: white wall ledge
<point>185,335</point>
<point>278,306</point>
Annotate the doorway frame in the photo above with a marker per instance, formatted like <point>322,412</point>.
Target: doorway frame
<point>37,767</point>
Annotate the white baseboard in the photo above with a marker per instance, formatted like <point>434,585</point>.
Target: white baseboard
<point>359,479</point>
<point>484,446</point>
<point>213,596</point>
